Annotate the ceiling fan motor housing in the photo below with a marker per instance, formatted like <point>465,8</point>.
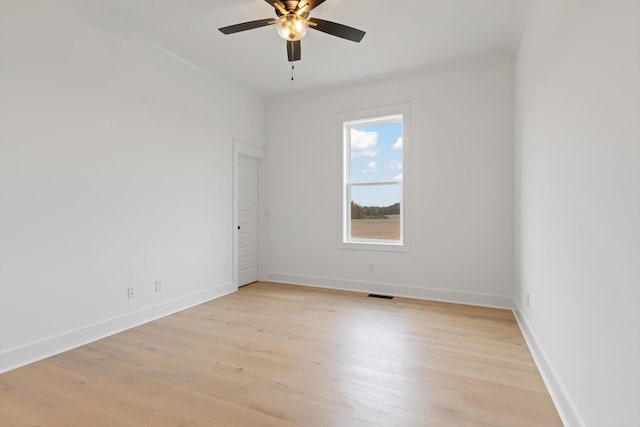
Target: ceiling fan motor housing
<point>292,5</point>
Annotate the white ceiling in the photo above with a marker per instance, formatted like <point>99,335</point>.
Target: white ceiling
<point>401,35</point>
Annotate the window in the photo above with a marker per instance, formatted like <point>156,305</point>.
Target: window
<point>373,189</point>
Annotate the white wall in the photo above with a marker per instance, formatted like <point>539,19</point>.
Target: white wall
<point>461,179</point>
<point>578,149</point>
<point>115,170</point>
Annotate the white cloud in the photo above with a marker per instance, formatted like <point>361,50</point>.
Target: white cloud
<point>363,144</point>
<point>372,166</point>
<point>394,165</point>
<point>398,177</point>
<point>398,144</point>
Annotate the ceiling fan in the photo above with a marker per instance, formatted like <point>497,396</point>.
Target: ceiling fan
<point>292,24</point>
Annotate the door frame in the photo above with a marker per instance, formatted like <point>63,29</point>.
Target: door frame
<point>240,149</point>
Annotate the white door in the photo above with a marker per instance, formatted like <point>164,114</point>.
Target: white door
<point>247,227</point>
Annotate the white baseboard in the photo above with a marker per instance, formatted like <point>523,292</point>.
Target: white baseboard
<point>458,297</point>
<point>564,405</point>
<point>38,350</point>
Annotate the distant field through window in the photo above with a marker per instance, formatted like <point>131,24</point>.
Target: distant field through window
<point>373,159</point>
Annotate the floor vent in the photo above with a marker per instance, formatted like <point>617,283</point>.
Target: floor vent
<point>380,296</point>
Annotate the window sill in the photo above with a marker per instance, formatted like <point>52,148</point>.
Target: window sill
<point>374,246</point>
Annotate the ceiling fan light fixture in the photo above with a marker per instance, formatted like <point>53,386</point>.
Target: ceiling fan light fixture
<point>292,23</point>
<point>292,27</point>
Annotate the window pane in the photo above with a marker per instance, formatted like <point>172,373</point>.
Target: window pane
<point>376,152</point>
<point>375,211</point>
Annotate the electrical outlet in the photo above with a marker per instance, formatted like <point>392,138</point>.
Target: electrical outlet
<point>131,292</point>
<point>528,304</point>
<point>158,285</point>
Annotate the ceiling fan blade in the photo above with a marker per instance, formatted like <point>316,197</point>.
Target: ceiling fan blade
<point>312,4</point>
<point>337,30</point>
<point>247,26</point>
<point>294,51</point>
<point>277,4</point>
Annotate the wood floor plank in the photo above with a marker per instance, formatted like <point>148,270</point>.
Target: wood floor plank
<point>282,356</point>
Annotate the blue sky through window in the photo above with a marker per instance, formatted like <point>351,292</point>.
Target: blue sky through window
<point>376,155</point>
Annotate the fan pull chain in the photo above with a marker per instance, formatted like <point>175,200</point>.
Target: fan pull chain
<point>292,68</point>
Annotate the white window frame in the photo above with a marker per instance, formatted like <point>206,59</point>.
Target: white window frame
<point>378,115</point>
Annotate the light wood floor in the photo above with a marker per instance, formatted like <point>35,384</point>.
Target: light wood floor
<point>280,355</point>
